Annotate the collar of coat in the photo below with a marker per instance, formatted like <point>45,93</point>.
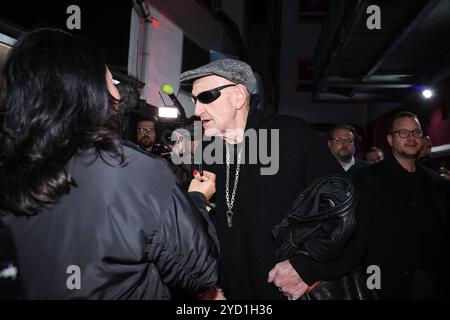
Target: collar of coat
<point>397,171</point>
<point>258,119</point>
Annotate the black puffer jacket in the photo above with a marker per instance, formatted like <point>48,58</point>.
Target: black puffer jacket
<point>131,231</point>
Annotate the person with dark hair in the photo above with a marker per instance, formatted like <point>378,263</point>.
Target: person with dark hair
<point>408,240</point>
<point>91,218</point>
<point>146,134</point>
<point>374,155</point>
<point>342,141</point>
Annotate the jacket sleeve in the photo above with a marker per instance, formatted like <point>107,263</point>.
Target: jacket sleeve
<point>200,202</point>
<point>185,248</point>
<point>317,161</point>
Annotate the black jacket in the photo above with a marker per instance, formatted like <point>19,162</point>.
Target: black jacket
<point>353,171</point>
<point>407,229</point>
<point>262,201</point>
<point>131,231</point>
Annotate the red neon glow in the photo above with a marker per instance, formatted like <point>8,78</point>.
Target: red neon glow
<point>155,22</point>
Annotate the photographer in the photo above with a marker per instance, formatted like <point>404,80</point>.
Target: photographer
<point>146,134</point>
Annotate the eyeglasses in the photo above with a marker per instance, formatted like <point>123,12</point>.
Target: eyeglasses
<point>417,133</point>
<point>210,95</point>
<point>342,141</point>
<point>145,130</point>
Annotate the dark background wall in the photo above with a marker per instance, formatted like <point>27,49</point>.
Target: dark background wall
<point>106,23</point>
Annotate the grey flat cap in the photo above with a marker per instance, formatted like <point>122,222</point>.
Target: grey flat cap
<point>234,70</point>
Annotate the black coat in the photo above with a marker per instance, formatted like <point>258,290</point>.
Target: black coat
<point>353,171</point>
<point>262,201</point>
<point>131,230</point>
<point>407,229</point>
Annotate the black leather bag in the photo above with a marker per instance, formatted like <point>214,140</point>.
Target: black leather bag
<point>321,221</point>
<point>350,287</point>
<point>319,225</point>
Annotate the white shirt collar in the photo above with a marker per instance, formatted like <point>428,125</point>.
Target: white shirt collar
<point>350,164</point>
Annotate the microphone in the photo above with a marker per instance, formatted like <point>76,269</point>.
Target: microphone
<point>168,89</point>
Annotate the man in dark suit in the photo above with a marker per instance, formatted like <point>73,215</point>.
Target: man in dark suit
<point>408,227</point>
<point>341,141</point>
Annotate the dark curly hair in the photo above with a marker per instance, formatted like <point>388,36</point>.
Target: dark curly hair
<point>56,104</point>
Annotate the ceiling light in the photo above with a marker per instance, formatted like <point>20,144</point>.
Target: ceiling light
<point>427,93</point>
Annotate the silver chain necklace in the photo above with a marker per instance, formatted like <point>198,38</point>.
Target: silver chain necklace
<point>230,204</point>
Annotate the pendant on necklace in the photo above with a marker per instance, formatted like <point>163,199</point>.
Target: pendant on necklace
<point>229,214</point>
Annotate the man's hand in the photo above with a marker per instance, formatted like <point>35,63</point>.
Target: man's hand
<point>288,281</point>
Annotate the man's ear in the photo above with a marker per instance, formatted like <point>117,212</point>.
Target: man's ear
<point>241,95</point>
<point>329,144</point>
<point>389,139</point>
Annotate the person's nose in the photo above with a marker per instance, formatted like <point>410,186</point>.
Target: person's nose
<point>199,109</point>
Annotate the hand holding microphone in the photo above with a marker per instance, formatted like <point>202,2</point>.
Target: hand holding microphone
<point>205,183</point>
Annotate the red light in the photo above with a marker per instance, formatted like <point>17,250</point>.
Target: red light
<point>155,22</point>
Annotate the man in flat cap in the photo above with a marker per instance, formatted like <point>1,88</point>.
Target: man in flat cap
<point>250,201</point>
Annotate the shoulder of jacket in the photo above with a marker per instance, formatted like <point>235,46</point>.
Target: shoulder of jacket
<point>290,123</point>
<point>127,144</point>
<point>150,164</point>
<point>289,120</point>
<point>432,176</point>
<point>369,171</point>
<point>361,163</point>
<point>131,148</point>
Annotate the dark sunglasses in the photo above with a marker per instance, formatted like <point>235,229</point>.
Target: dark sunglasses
<point>210,95</point>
